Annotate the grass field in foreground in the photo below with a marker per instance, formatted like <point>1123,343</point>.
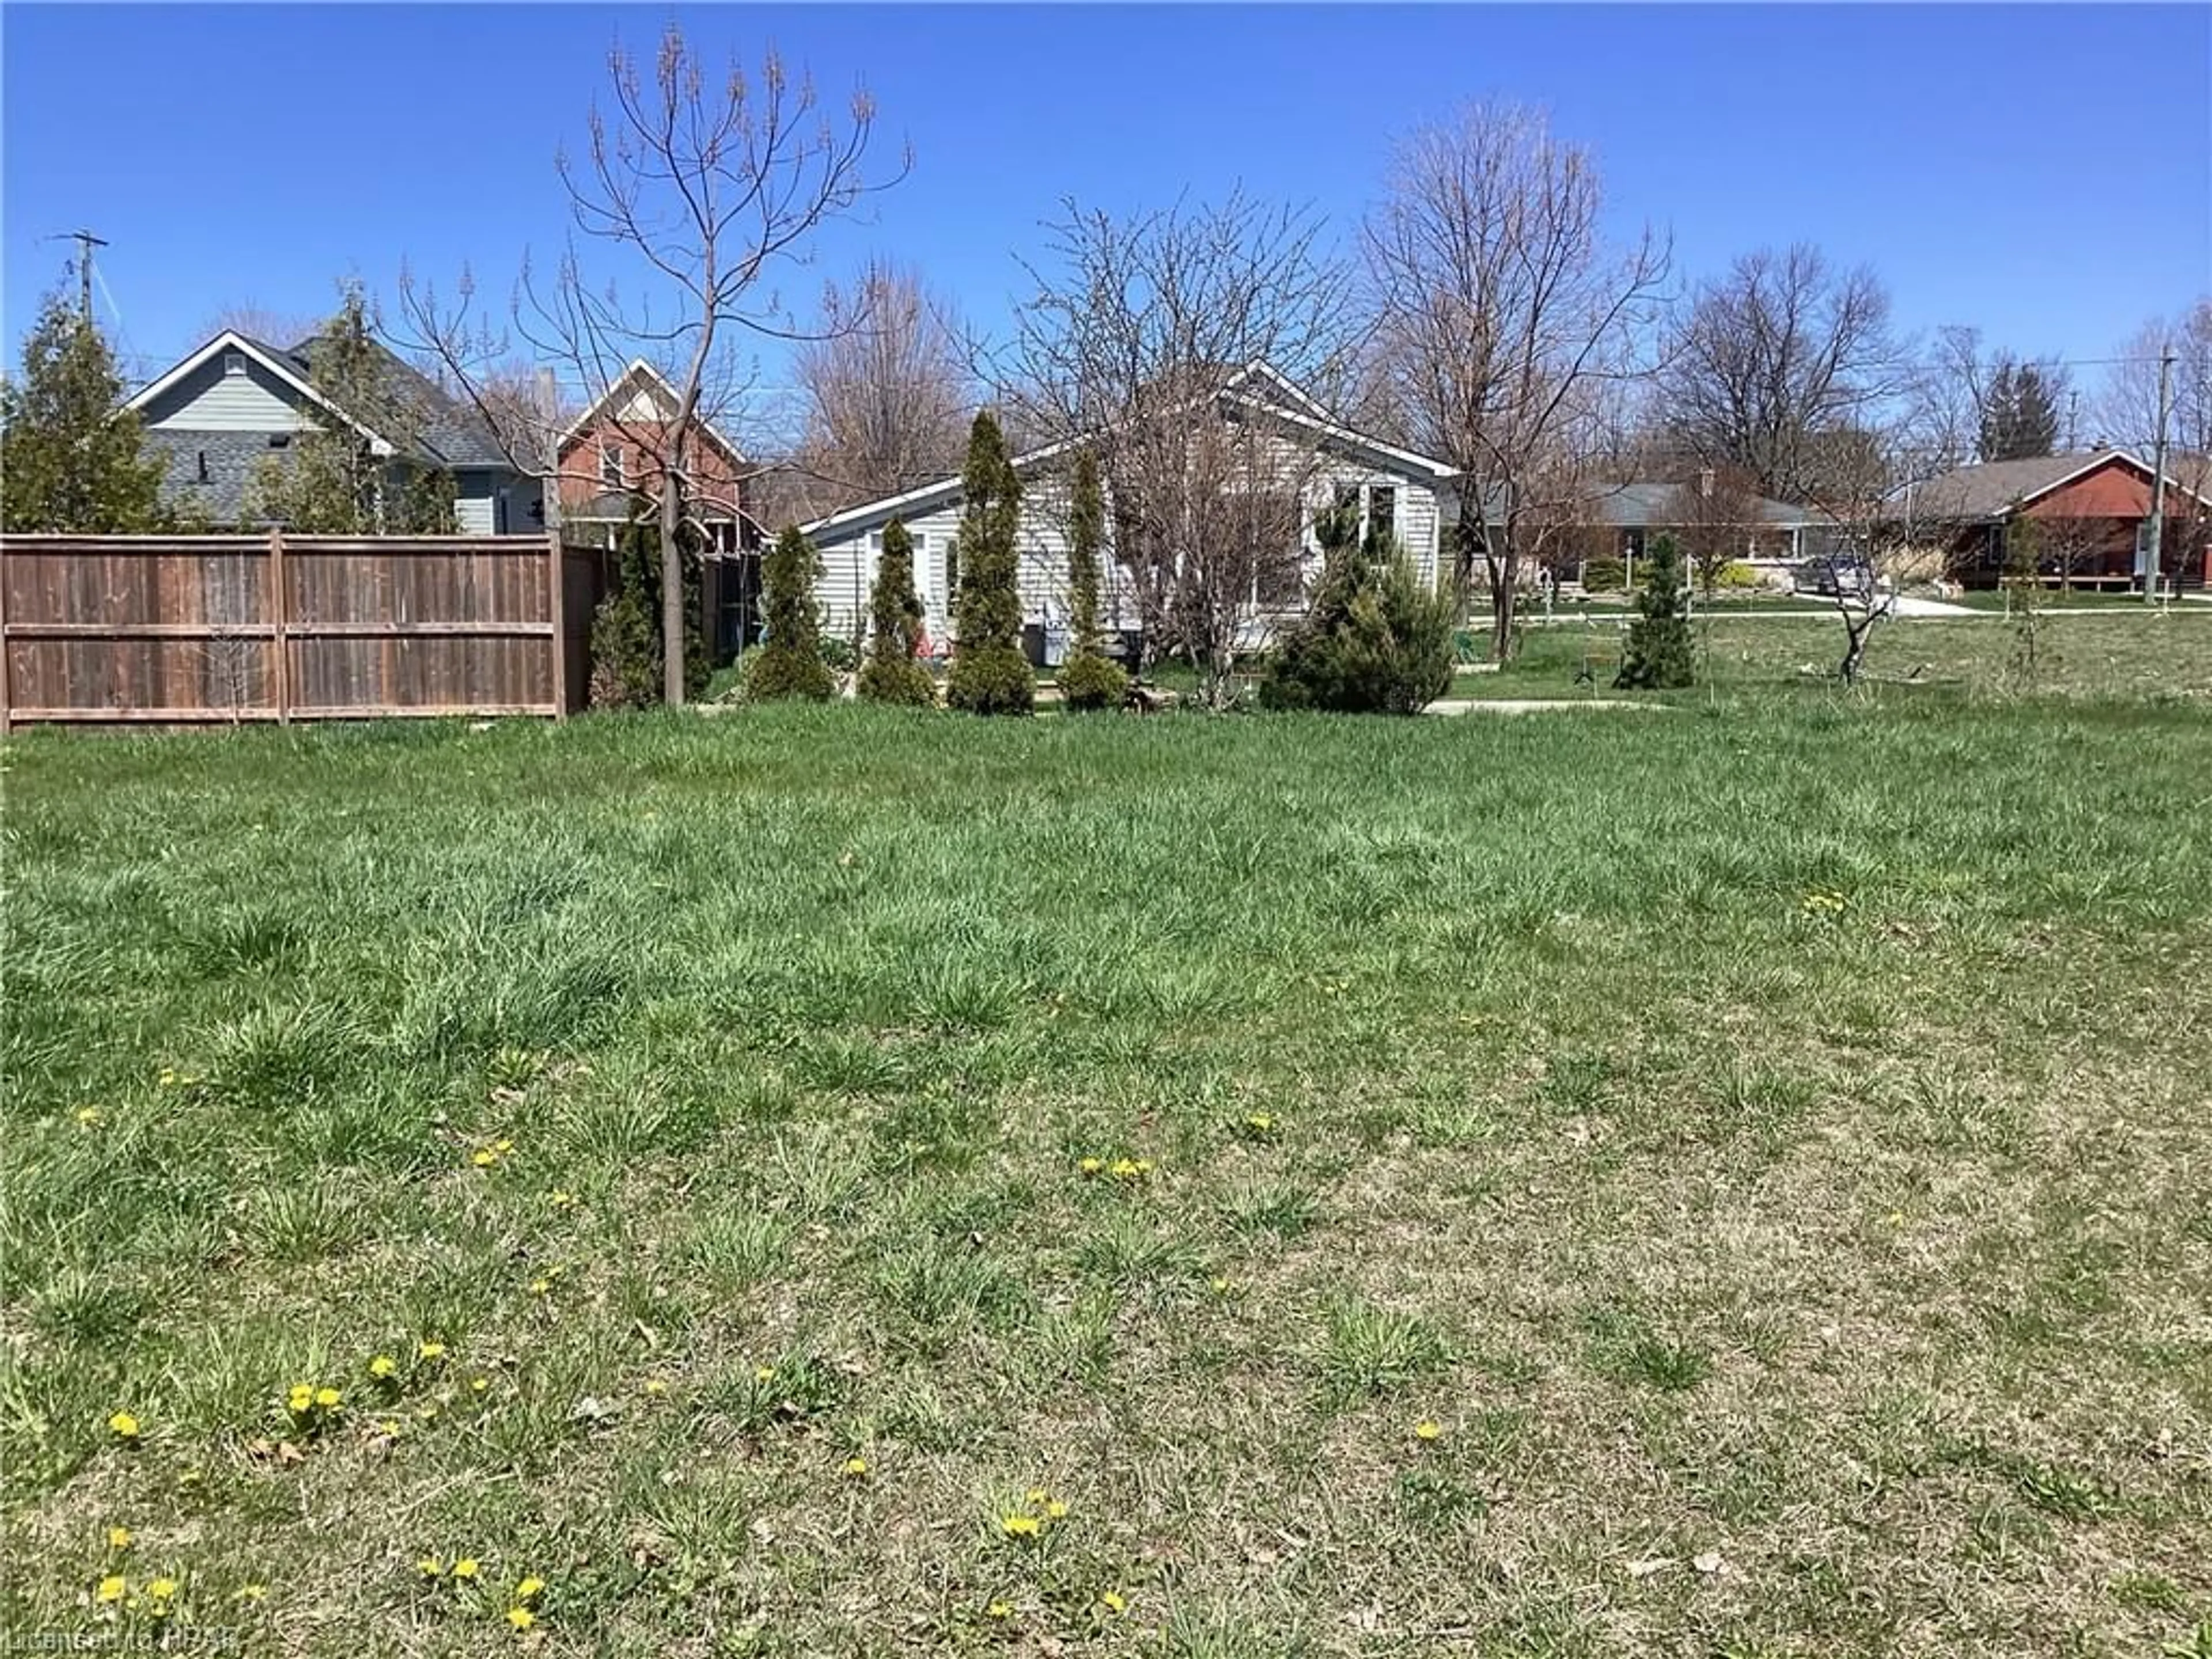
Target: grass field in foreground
<point>1732,1182</point>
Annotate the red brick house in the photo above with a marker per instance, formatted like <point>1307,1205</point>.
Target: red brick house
<point>613,456</point>
<point>2091,512</point>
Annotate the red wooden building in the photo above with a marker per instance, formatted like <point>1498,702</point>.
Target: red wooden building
<point>2091,513</point>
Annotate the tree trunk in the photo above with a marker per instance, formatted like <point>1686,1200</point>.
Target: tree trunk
<point>1502,600</point>
<point>672,594</point>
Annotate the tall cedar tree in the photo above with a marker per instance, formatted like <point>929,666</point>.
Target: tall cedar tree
<point>790,664</point>
<point>1657,656</point>
<point>332,482</point>
<point>990,675</point>
<point>1374,640</point>
<point>71,458</point>
<point>891,674</point>
<point>626,658</point>
<point>1087,679</point>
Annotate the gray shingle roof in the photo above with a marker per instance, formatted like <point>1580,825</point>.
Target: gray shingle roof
<point>449,431</point>
<point>1990,489</point>
<point>1650,503</point>
<point>231,458</point>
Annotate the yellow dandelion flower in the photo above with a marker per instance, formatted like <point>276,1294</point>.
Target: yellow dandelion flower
<point>1054,1510</point>
<point>90,1116</point>
<point>465,1567</point>
<point>430,1351</point>
<point>1123,1168</point>
<point>388,1425</point>
<point>253,1593</point>
<point>563,1200</point>
<point>530,1589</point>
<point>161,1589</point>
<point>1114,1601</point>
<point>1260,1123</point>
<point>1000,1610</point>
<point>383,1367</point>
<point>540,1286</point>
<point>1425,1429</point>
<point>1221,1287</point>
<point>484,1157</point>
<point>655,1387</point>
<point>113,1588</point>
<point>856,1466</point>
<point>299,1397</point>
<point>521,1618</point>
<point>119,1538</point>
<point>1036,1494</point>
<point>763,1373</point>
<point>168,1077</point>
<point>1090,1166</point>
<point>328,1399</point>
<point>478,1384</point>
<point>430,1567</point>
<point>124,1427</point>
<point>503,1147</point>
<point>1020,1526</point>
<point>1144,1166</point>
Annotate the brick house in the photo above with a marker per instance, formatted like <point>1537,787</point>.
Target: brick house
<point>610,462</point>
<point>2091,512</point>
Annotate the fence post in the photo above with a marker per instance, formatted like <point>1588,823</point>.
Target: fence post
<point>556,608</point>
<point>7,699</point>
<point>279,606</point>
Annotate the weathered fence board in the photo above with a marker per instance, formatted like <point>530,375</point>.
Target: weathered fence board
<point>138,628</point>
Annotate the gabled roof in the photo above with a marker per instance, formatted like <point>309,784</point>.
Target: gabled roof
<point>282,364</point>
<point>443,431</point>
<point>1290,405</point>
<point>642,376</point>
<point>1994,489</point>
<point>1646,503</point>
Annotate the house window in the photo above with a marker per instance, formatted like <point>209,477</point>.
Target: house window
<point>233,362</point>
<point>610,466</point>
<point>1381,512</point>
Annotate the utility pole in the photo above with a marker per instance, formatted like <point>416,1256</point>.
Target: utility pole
<point>86,241</point>
<point>2158,482</point>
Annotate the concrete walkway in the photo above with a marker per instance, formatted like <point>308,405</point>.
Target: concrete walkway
<point>1533,705</point>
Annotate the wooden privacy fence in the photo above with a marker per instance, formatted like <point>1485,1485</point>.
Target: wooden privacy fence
<point>165,629</point>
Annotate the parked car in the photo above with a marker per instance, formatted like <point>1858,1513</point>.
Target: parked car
<point>1838,575</point>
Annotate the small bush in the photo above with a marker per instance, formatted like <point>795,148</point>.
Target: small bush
<point>1657,655</point>
<point>625,654</point>
<point>1089,682</point>
<point>790,664</point>
<point>1376,642</point>
<point>1736,574</point>
<point>993,680</point>
<point>838,655</point>
<point>1605,576</point>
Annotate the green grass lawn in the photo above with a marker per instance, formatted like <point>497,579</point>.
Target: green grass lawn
<point>833,1180</point>
<point>2125,654</point>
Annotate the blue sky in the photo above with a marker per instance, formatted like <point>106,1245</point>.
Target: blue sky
<point>2043,171</point>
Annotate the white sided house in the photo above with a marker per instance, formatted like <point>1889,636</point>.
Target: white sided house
<point>1395,490</point>
<point>237,403</point>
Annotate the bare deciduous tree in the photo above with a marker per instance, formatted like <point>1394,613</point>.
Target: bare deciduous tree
<point>2129,412</point>
<point>268,324</point>
<point>1718,514</point>
<point>1503,314</point>
<point>887,389</point>
<point>1145,344</point>
<point>1774,366</point>
<point>708,189</point>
